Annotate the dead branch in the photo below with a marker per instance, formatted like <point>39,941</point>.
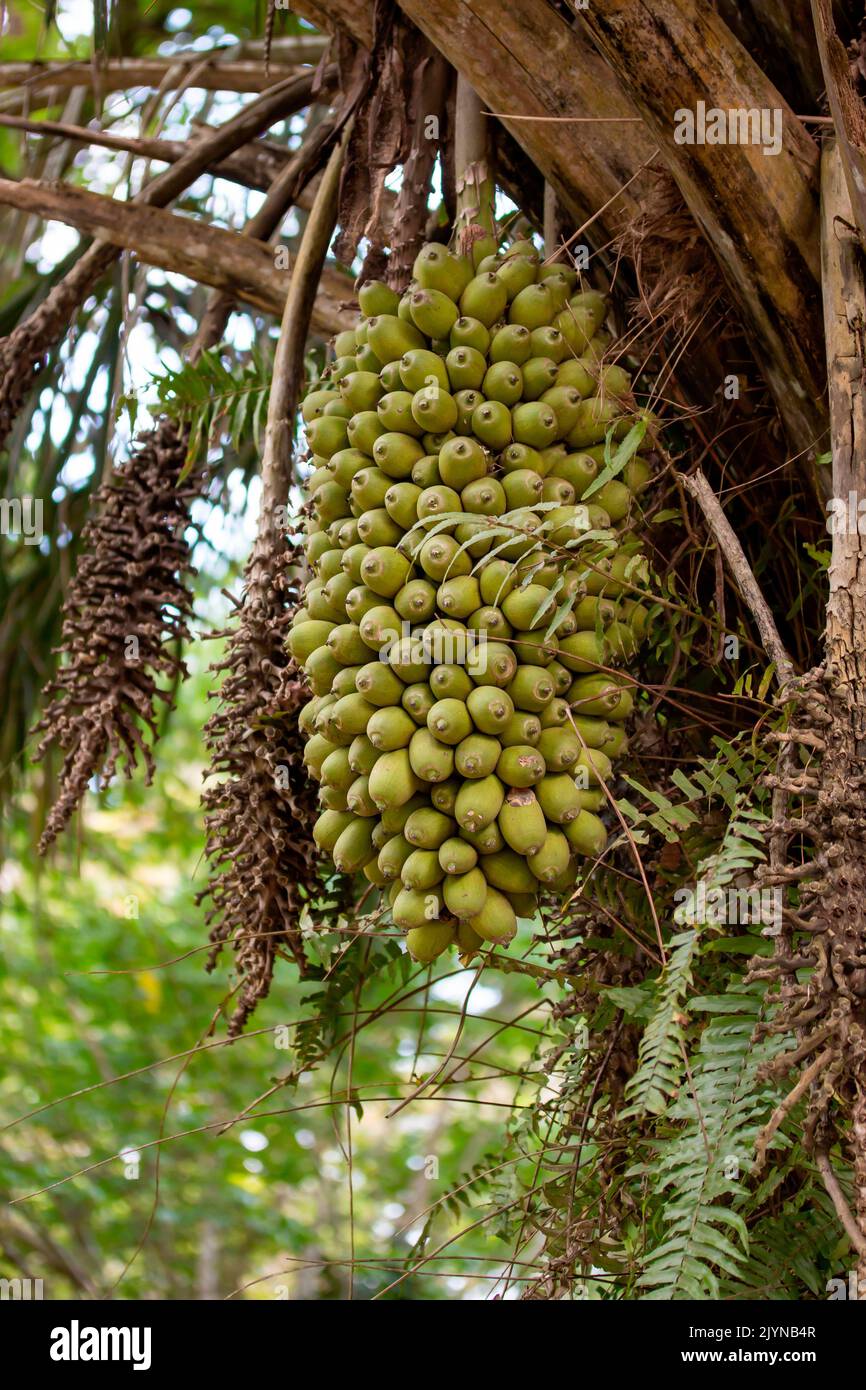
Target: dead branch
<point>837,1197</point>
<point>726,539</point>
<point>847,110</point>
<point>229,261</point>
<point>211,73</point>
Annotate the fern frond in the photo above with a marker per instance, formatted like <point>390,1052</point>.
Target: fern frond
<point>660,1059</point>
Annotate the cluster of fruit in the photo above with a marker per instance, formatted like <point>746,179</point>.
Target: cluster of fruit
<point>472,585</point>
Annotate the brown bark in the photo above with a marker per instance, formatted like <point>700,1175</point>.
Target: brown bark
<point>240,265</point>
<point>758,211</point>
<point>847,110</point>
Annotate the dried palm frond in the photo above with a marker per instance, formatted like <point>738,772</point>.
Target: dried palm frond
<point>124,621</point>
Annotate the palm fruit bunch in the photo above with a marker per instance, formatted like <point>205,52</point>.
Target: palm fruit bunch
<point>472,586</point>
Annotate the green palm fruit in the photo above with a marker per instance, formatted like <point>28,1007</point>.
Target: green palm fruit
<point>308,714</point>
<point>388,729</point>
<point>565,402</point>
<point>516,272</point>
<point>434,410</point>
<point>497,578</point>
<point>602,696</point>
<point>513,343</point>
<point>367,360</point>
<point>591,800</point>
<point>531,688</point>
<point>594,733</point>
<point>551,860</point>
<point>508,872</point>
<point>594,419</point>
<point>380,628</point>
<point>385,570</point>
<point>592,612</point>
<point>392,857</point>
<point>316,751</point>
<point>394,818</point>
<point>318,607</point>
<point>345,534</point>
<point>305,638</point>
<point>358,798</point>
<point>320,668</point>
<point>416,601</point>
<point>420,368</point>
<point>586,834</point>
<point>477,755</point>
<point>490,620</point>
<point>520,766</point>
<point>496,920</point>
<point>417,700</point>
<point>467,401</point>
<point>354,848</point>
<point>381,836</point>
<point>560,287</point>
<point>330,502</point>
<point>314,404</point>
<point>428,829</point>
<point>339,584</point>
<point>548,344</point>
<point>558,491</point>
<point>363,756</point>
<point>443,795</point>
<point>534,423</point>
<point>433,312</point>
<point>521,821</point>
<point>440,557</point>
<point>329,827</point>
<point>372,874</point>
<point>470,332</point>
<point>539,374</point>
<point>523,488</point>
<point>616,741</point>
<point>401,504</point>
<point>359,601</point>
<point>462,461</point>
<point>491,422</point>
<point>484,298</point>
<point>315,546</point>
<point>558,797</point>
<point>458,597</point>
<point>465,894</point>
<point>416,910</point>
<point>525,904</point>
<point>616,499</point>
<point>437,501</point>
<point>449,682</point>
<point>534,307</point>
<point>392,781</point>
<point>486,841</point>
<point>636,616</point>
<point>390,337</point>
<point>350,715</point>
<point>397,453</point>
<point>363,431</point>
<point>560,675</point>
<point>560,748</point>
<point>333,799</point>
<point>422,870</point>
<point>431,760</point>
<point>327,435</point>
<point>369,487</point>
<point>618,573</point>
<point>529,608</point>
<point>345,465</point>
<point>521,728</point>
<point>457,857</point>
<point>596,767</point>
<point>336,771</point>
<point>377,298</point>
<point>395,412</point>
<point>437,268</point>
<point>579,470</point>
<point>490,708</point>
<point>449,721</point>
<point>582,651</point>
<point>479,803</point>
<point>377,528</point>
<point>347,645</point>
<point>484,497</point>
<point>361,390</point>
<point>491,663</point>
<point>408,660</point>
<point>425,943</point>
<point>425,473</point>
<point>636,474</point>
<point>466,368</point>
<point>574,374</point>
<point>503,382</point>
<point>325,474</point>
